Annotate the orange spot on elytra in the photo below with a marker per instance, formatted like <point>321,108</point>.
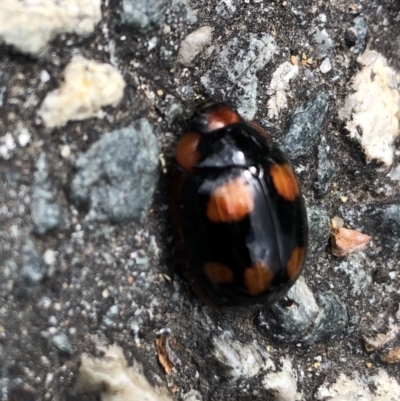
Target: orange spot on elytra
<point>230,202</point>
<point>295,263</point>
<point>186,153</point>
<point>220,117</point>
<point>284,181</point>
<point>257,278</point>
<point>218,273</point>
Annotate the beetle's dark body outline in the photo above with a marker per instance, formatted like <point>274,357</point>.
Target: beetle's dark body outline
<point>230,150</point>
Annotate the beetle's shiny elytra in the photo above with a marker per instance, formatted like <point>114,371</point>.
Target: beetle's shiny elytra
<point>238,213</point>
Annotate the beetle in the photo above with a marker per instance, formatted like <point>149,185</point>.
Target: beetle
<point>238,213</point>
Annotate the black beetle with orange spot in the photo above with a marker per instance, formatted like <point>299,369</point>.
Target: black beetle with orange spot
<point>238,212</point>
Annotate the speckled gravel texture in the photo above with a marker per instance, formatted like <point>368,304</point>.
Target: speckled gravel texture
<point>70,275</point>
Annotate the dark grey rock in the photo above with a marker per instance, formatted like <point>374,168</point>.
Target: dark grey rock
<point>143,14</point>
<point>61,342</point>
<point>331,321</point>
<point>326,168</point>
<point>46,214</point>
<point>303,312</point>
<point>303,320</point>
<point>34,269</point>
<point>356,36</point>
<point>251,53</point>
<point>305,126</point>
<point>117,176</point>
<point>318,228</point>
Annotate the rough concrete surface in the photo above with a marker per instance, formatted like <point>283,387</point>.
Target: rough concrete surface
<point>86,266</point>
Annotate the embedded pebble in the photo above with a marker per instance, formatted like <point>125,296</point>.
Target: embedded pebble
<point>65,151</point>
<point>117,176</point>
<point>192,395</point>
<point>116,381</point>
<point>325,66</point>
<point>110,317</point>
<point>143,14</point>
<point>61,342</point>
<point>241,360</point>
<point>193,44</point>
<point>324,43</point>
<point>24,137</point>
<point>279,85</point>
<point>34,269</point>
<point>29,25</point>
<point>307,320</point>
<point>306,311</point>
<point>326,168</point>
<point>283,383</point>
<point>371,107</point>
<point>7,145</point>
<point>251,53</point>
<point>305,126</point>
<point>49,257</point>
<point>88,86</point>
<point>356,36</point>
<point>173,111</point>
<point>44,303</point>
<point>46,214</point>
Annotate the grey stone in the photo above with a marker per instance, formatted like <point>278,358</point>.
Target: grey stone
<point>331,321</point>
<point>326,168</point>
<point>305,126</point>
<point>46,214</point>
<point>324,42</point>
<point>251,53</point>
<point>356,36</point>
<point>62,343</point>
<point>299,318</point>
<point>304,320</point>
<point>318,228</point>
<point>143,14</point>
<point>325,66</point>
<point>34,269</point>
<point>173,111</point>
<point>117,176</point>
